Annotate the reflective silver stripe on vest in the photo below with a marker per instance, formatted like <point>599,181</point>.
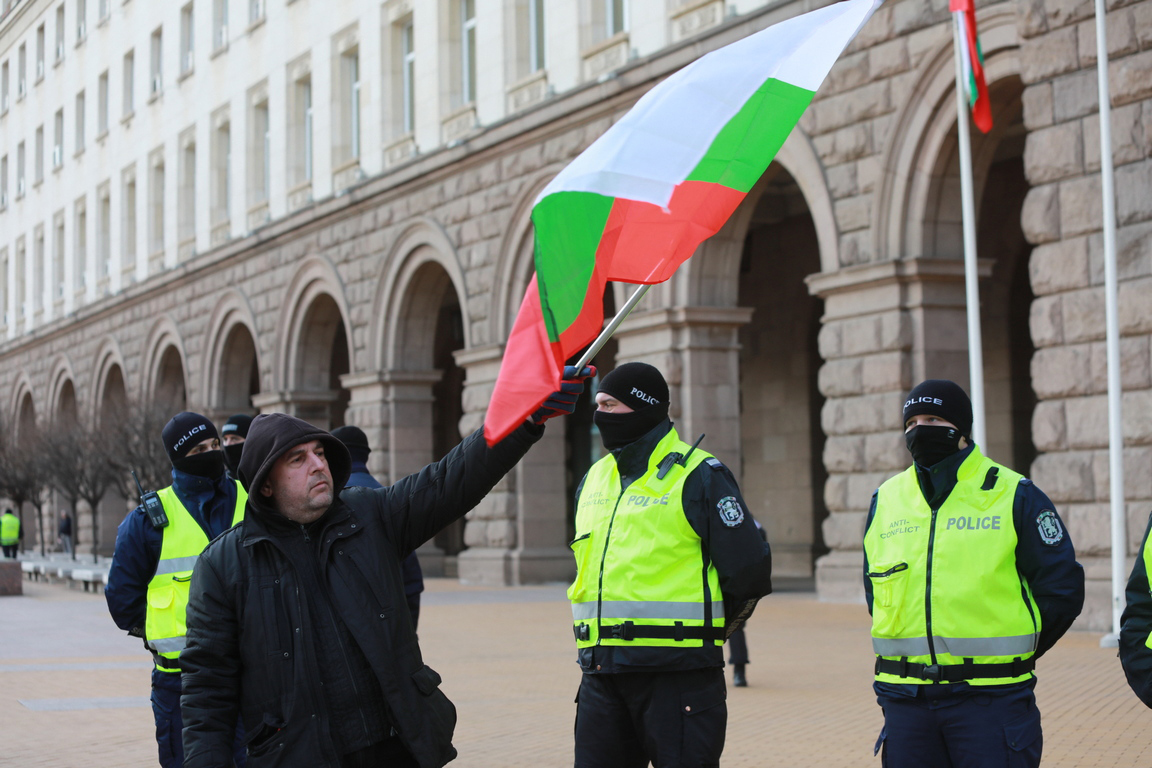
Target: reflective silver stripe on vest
<point>964,647</point>
<point>167,644</point>
<point>175,565</point>
<point>619,609</point>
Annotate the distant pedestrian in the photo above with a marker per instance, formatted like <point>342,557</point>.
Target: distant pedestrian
<point>232,437</point>
<point>10,533</point>
<point>970,576</point>
<point>64,532</point>
<point>356,442</point>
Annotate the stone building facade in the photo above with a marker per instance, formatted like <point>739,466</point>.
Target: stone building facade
<point>789,339</point>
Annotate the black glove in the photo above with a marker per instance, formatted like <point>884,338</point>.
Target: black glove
<point>563,402</point>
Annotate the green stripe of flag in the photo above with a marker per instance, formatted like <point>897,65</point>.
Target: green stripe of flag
<point>568,227</point>
<point>742,150</point>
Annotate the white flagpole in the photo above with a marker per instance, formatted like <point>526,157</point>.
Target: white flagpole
<point>971,276</point>
<point>1112,339</point>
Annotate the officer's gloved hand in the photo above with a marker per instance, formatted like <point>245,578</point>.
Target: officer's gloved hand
<point>563,401</point>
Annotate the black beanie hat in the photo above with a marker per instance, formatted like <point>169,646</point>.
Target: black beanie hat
<point>637,385</point>
<point>943,398</point>
<point>185,431</point>
<point>237,424</point>
<point>354,440</point>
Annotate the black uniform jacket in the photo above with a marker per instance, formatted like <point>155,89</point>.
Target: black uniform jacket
<point>1135,627</point>
<point>250,643</point>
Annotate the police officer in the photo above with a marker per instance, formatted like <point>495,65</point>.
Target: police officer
<point>147,591</point>
<point>970,577</point>
<point>1136,626</point>
<point>10,533</point>
<point>668,564</point>
<point>232,437</point>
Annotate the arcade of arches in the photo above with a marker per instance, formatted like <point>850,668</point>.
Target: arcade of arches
<point>789,339</point>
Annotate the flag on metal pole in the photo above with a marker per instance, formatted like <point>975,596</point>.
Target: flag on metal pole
<point>972,64</point>
<point>636,204</point>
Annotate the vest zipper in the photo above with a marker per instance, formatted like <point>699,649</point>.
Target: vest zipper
<point>603,557</point>
<point>928,589</point>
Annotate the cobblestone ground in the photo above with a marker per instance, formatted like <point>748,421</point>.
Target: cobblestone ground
<point>74,690</point>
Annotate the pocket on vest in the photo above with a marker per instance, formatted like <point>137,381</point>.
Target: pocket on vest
<point>888,583</point>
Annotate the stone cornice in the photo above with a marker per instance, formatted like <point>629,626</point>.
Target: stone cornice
<point>677,317</point>
<point>854,278</point>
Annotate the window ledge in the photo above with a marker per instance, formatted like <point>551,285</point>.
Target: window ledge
<point>155,96</point>
<point>100,137</point>
<point>58,62</point>
<point>79,151</point>
<point>127,119</point>
<point>185,74</point>
<point>37,81</point>
<point>79,41</point>
<point>221,50</point>
<point>103,20</point>
<point>256,23</point>
<point>36,184</point>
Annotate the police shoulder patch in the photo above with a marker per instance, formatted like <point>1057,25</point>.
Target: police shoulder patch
<point>714,462</point>
<point>1048,524</point>
<point>731,513</point>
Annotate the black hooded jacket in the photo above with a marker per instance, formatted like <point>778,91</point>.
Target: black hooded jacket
<point>252,636</point>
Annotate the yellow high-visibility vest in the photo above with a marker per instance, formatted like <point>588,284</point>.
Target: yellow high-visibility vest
<point>954,569</point>
<point>641,577</point>
<point>183,542</point>
<point>9,529</point>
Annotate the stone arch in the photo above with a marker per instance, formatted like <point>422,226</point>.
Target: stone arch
<point>921,133</point>
<point>407,280</point>
<point>23,407</point>
<point>515,265</point>
<point>314,347</point>
<point>232,358</point>
<point>109,389</point>
<point>164,382</point>
<point>63,405</point>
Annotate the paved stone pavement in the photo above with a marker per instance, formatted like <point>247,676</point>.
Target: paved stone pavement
<point>74,690</point>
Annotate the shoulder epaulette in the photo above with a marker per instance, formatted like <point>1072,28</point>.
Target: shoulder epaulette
<point>1025,481</point>
<point>714,462</point>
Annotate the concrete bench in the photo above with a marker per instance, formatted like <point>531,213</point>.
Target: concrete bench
<point>91,579</point>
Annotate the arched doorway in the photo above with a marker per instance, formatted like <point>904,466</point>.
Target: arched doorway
<point>321,359</point>
<point>111,411</point>
<point>239,372</point>
<point>781,440</point>
<point>170,393</point>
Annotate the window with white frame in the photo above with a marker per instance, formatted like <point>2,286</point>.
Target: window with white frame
<point>408,77</point>
<point>187,39</point>
<point>80,122</point>
<point>81,20</point>
<point>80,245</point>
<point>219,24</point>
<point>535,35</point>
<point>528,30</point>
<point>20,183</point>
<point>255,11</point>
<point>38,270</point>
<point>105,9</point>
<point>259,151</point>
<point>156,202</point>
<point>41,42</point>
<point>38,160</point>
<point>3,287</point>
<point>186,189</point>
<point>4,96</point>
<point>102,105</point>
<point>58,139</point>
<point>615,17</point>
<point>348,105</point>
<point>300,130</point>
<point>128,219</point>
<point>220,191</point>
<point>129,83</point>
<point>21,303</point>
<point>103,230</point>
<point>21,71</point>
<point>156,70</point>
<point>467,51</point>
<point>59,34</point>
<point>58,254</point>
<point>4,181</point>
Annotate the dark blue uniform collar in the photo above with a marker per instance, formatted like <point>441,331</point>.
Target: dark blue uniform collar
<point>938,480</point>
<point>195,491</point>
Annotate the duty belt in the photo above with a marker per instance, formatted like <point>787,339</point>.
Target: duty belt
<point>632,631</point>
<point>953,673</point>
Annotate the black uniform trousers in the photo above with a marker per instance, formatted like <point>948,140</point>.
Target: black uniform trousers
<point>671,719</point>
<point>959,726</point>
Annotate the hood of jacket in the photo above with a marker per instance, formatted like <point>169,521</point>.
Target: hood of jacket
<point>270,437</point>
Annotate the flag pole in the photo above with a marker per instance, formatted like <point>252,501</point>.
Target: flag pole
<point>971,276</point>
<point>1112,339</point>
<point>610,329</point>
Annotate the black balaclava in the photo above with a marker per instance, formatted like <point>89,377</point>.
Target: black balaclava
<point>930,445</point>
<point>237,424</point>
<point>642,388</point>
<point>355,441</point>
<point>185,431</point>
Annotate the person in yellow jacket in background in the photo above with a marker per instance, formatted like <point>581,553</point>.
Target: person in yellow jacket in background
<point>148,581</point>
<point>669,563</point>
<point>970,577</point>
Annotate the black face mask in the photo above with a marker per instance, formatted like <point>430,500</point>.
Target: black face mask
<point>930,445</point>
<point>232,457</point>
<point>620,429</point>
<point>209,464</point>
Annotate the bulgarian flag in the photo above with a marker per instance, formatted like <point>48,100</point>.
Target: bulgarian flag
<point>972,63</point>
<point>637,202</point>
